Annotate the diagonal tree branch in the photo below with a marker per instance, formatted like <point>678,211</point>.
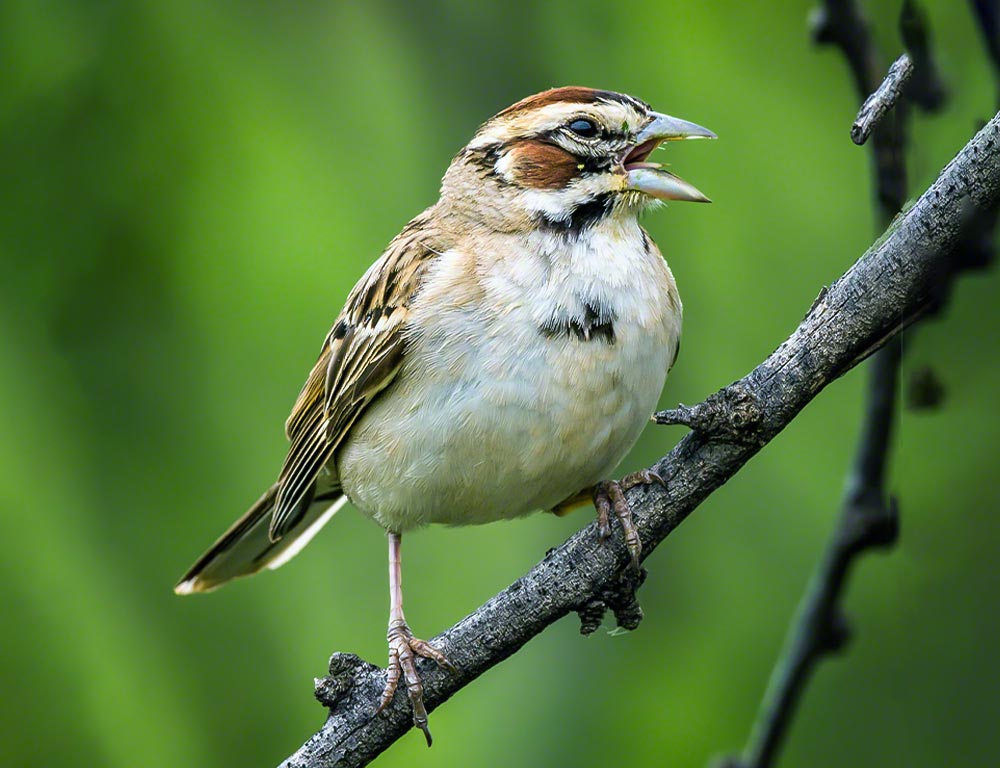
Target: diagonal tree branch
<point>884,291</point>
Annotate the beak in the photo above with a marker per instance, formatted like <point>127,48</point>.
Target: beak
<point>667,128</point>
<point>650,178</point>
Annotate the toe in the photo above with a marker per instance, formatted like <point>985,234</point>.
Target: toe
<point>642,477</point>
<point>623,512</point>
<point>602,502</point>
<point>428,651</point>
<point>391,680</point>
<point>415,692</point>
<point>610,497</point>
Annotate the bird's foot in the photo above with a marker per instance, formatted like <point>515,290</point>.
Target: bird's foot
<point>609,496</point>
<point>404,649</point>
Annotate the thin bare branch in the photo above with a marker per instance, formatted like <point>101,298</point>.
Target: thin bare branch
<point>884,99</point>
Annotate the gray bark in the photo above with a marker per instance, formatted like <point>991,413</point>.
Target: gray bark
<point>882,99</point>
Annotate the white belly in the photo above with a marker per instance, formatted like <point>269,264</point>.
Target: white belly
<point>491,418</point>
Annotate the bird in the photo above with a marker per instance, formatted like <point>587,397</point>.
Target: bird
<point>500,358</point>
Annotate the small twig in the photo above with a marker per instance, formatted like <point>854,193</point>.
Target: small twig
<point>884,99</point>
<point>840,23</point>
<point>732,413</point>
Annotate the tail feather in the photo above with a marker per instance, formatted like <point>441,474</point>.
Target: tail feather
<point>246,547</point>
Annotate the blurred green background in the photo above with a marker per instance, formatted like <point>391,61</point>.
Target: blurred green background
<point>189,190</point>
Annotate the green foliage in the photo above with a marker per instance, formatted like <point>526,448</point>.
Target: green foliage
<point>190,189</point>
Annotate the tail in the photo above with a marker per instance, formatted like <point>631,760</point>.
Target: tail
<point>246,547</point>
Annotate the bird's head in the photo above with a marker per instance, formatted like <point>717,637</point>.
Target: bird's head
<point>567,159</point>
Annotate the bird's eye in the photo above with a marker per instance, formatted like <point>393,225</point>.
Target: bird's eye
<point>584,128</point>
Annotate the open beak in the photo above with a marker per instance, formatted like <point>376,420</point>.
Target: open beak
<point>651,178</point>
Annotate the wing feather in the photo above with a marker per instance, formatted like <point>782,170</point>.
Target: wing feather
<point>360,358</point>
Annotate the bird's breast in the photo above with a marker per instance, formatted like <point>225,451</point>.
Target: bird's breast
<point>526,379</point>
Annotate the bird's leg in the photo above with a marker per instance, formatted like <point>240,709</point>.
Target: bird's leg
<point>609,496</point>
<point>404,647</point>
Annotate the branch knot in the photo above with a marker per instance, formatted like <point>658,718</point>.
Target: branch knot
<point>348,673</point>
<point>733,413</point>
<point>620,597</point>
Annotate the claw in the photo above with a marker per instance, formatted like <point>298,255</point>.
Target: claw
<point>642,477</point>
<point>428,651</point>
<point>610,496</point>
<point>603,504</point>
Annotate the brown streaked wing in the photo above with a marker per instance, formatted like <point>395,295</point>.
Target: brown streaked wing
<point>360,358</point>
<point>311,390</point>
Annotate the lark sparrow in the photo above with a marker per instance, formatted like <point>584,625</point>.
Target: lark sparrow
<point>501,356</point>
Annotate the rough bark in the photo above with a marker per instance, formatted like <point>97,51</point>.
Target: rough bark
<point>891,285</point>
<point>885,97</point>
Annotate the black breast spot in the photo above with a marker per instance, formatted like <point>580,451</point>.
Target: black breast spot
<point>595,322</point>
